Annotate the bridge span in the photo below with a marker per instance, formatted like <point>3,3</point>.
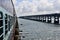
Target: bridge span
<point>48,18</point>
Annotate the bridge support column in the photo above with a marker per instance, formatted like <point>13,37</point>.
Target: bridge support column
<point>46,19</point>
<point>52,19</point>
<point>49,19</point>
<point>38,18</point>
<point>59,20</point>
<point>56,20</point>
<point>42,19</point>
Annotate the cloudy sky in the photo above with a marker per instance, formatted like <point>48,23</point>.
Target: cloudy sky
<point>36,7</point>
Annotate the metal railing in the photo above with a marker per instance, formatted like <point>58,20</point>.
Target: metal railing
<point>6,24</point>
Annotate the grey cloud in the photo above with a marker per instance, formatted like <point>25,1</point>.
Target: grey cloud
<point>26,9</point>
<point>54,6</point>
<point>57,6</point>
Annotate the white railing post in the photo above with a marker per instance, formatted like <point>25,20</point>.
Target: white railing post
<point>3,25</point>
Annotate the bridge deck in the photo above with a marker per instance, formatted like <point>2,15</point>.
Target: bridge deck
<point>33,30</point>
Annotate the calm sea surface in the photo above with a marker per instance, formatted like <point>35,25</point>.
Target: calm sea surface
<point>33,30</point>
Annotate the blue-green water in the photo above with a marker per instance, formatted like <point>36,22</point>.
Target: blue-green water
<point>33,30</point>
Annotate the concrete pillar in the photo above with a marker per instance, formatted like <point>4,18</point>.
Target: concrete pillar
<point>35,18</point>
<point>52,19</point>
<point>56,20</point>
<point>46,19</point>
<point>59,20</point>
<point>38,17</point>
<point>49,19</point>
<point>42,19</point>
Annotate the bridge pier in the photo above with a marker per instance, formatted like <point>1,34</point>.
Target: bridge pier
<point>49,19</point>
<point>40,18</point>
<point>59,20</point>
<point>56,20</point>
<point>52,19</point>
<point>44,19</point>
<point>37,18</point>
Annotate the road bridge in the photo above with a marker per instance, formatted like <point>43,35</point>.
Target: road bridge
<point>53,18</point>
